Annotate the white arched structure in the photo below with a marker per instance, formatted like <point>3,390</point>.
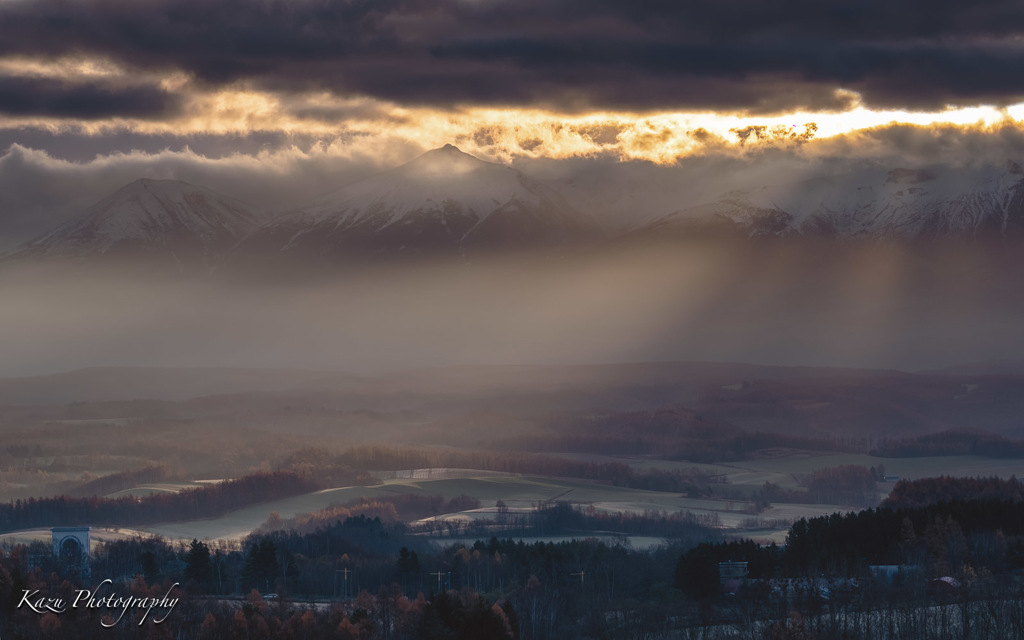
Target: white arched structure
<point>71,546</point>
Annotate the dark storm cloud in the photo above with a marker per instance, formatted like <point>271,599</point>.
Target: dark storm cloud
<point>34,96</point>
<point>739,54</point>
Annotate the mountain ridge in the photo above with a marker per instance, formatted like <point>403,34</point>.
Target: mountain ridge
<point>877,203</point>
<point>444,202</point>
<point>169,221</point>
<point>451,205</point>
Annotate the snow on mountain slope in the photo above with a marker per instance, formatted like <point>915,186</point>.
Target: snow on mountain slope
<point>164,219</point>
<point>873,203</point>
<point>444,201</point>
<point>628,195</point>
<point>444,174</point>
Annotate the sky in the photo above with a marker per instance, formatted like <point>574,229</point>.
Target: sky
<point>531,78</point>
<point>275,102</point>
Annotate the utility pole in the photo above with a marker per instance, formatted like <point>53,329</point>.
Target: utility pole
<point>220,561</point>
<point>439,575</point>
<point>581,574</point>
<point>344,572</point>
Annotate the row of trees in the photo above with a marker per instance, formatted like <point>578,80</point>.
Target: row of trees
<point>190,504</point>
<point>667,433</point>
<point>578,589</point>
<point>952,442</point>
<point>379,457</point>
<point>543,590</point>
<point>114,482</point>
<point>956,537</point>
<point>927,491</point>
<point>403,507</point>
<point>564,518</point>
<point>851,485</point>
<point>387,615</point>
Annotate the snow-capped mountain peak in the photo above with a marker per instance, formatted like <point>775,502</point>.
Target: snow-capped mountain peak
<point>444,201</point>
<point>152,217</point>
<point>446,181</point>
<point>895,203</point>
<point>445,161</point>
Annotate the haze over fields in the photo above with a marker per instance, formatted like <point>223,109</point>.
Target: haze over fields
<point>737,445</point>
<point>452,260</point>
<point>512,319</point>
<point>460,226</point>
<point>378,187</point>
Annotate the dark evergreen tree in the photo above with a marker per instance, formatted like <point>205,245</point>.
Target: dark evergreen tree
<point>408,567</point>
<point>197,564</point>
<point>261,566</point>
<point>150,567</point>
<point>697,573</point>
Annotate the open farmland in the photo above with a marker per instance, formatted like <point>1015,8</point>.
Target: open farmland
<point>149,489</point>
<point>780,466</point>
<point>97,536</point>
<point>522,492</point>
<point>517,492</point>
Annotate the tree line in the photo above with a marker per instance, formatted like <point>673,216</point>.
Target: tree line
<point>188,504</point>
<point>677,434</point>
<point>380,457</point>
<point>383,583</point>
<point>952,442</point>
<point>961,535</point>
<point>926,491</point>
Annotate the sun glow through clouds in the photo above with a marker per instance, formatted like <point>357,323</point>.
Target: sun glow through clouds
<point>498,133</point>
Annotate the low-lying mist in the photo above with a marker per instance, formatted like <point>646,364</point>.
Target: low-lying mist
<point>774,303</point>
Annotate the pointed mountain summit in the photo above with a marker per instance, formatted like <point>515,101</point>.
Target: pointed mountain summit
<point>443,203</point>
<point>170,222</point>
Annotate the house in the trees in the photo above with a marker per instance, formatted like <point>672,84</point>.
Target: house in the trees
<point>731,575</point>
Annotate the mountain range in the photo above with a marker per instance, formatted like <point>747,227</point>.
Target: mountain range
<point>443,203</point>
<point>167,223</point>
<point>879,203</point>
<point>449,204</point>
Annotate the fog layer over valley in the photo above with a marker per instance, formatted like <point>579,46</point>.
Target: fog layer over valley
<point>450,259</point>
<point>772,303</point>
<point>457,304</point>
